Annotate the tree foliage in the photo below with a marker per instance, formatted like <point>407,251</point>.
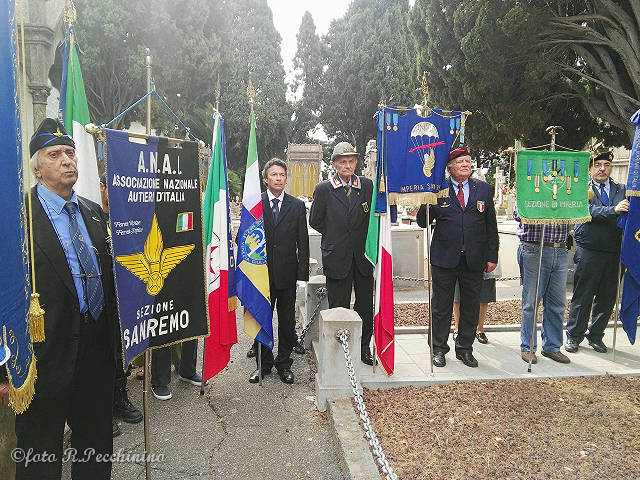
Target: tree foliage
<point>596,44</point>
<point>369,55</point>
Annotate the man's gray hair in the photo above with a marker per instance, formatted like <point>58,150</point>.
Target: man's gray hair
<point>271,163</point>
<point>35,161</point>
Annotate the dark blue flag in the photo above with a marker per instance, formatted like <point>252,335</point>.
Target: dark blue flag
<point>630,257</point>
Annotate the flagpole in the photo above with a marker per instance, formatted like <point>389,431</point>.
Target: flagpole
<point>616,316</point>
<point>147,352</point>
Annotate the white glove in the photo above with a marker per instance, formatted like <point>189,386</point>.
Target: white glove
<point>301,285</point>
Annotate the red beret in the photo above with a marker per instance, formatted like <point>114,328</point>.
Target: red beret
<point>458,152</point>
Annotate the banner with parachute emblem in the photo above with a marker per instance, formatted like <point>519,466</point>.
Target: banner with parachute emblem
<point>156,227</point>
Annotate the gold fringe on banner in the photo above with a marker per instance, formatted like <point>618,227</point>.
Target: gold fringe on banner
<point>633,193</point>
<point>555,221</point>
<point>20,398</point>
<point>36,319</point>
<point>416,199</point>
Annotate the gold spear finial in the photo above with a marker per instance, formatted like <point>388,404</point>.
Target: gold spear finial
<point>251,93</point>
<point>218,93</point>
<point>382,102</point>
<point>69,13</point>
<point>424,86</point>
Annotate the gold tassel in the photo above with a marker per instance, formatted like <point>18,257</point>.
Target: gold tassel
<point>36,319</point>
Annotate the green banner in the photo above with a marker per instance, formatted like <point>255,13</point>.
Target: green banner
<point>552,187</point>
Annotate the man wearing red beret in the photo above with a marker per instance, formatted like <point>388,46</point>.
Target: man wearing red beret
<point>463,246</point>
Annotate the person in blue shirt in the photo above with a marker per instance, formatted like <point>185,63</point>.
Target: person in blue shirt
<point>597,257</point>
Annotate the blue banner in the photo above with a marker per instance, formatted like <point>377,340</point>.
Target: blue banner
<point>156,225</point>
<point>630,257</point>
<point>14,264</point>
<point>633,179</point>
<point>415,151</point>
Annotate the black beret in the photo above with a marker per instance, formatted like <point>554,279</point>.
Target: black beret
<point>606,155</point>
<point>50,132</point>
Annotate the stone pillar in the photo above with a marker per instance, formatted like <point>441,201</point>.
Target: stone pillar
<point>316,283</point>
<point>332,380</point>
<point>39,94</point>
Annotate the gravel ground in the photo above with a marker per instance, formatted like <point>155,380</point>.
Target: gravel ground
<point>502,429</point>
<point>499,313</point>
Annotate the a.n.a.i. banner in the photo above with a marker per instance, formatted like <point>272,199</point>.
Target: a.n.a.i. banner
<point>156,227</point>
<point>633,178</point>
<point>552,186</point>
<point>415,150</point>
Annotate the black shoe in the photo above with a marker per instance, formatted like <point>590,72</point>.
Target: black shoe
<point>598,346</point>
<point>439,360</point>
<point>366,358</point>
<point>123,408</point>
<point>253,351</point>
<point>253,378</point>
<point>571,346</point>
<point>115,429</point>
<point>482,338</point>
<point>299,348</point>
<point>286,375</point>
<point>467,358</point>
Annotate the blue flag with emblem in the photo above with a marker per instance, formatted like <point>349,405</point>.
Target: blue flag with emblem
<point>16,352</point>
<point>633,179</point>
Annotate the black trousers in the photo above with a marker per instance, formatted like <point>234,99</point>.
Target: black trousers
<point>339,293</point>
<point>285,302</point>
<point>594,293</point>
<point>161,363</point>
<point>86,407</point>
<point>444,282</point>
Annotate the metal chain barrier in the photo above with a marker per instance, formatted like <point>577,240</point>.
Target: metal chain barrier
<point>414,279</point>
<point>321,293</point>
<point>343,336</point>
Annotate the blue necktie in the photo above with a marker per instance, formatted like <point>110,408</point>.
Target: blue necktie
<point>604,196</point>
<point>93,294</point>
<point>275,209</point>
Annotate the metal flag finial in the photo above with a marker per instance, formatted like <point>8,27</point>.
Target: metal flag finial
<point>424,86</point>
<point>218,93</point>
<point>69,13</point>
<point>382,102</point>
<point>553,130</point>
<point>251,93</point>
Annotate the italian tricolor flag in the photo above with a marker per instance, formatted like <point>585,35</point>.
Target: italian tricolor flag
<point>185,222</point>
<point>219,256</point>
<point>75,112</point>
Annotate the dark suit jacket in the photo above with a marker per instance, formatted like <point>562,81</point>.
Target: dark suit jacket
<point>343,223</point>
<point>56,356</point>
<point>477,229</point>
<point>602,233</point>
<point>287,242</point>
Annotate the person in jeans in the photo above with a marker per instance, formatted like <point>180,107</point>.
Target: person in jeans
<point>552,290</point>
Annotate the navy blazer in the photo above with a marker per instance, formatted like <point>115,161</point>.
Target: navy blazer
<point>343,223</point>
<point>602,233</point>
<point>287,242</point>
<point>473,229</point>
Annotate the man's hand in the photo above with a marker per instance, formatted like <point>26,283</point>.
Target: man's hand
<point>622,207</point>
<point>4,394</point>
<point>491,267</point>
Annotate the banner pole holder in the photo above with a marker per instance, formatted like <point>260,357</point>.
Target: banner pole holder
<point>616,316</point>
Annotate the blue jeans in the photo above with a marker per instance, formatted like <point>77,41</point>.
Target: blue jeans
<point>552,291</point>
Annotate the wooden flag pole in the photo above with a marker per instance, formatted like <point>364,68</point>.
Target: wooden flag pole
<point>616,316</point>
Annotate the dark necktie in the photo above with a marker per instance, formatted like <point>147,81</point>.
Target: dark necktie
<point>461,196</point>
<point>604,196</point>
<point>347,189</point>
<point>274,208</point>
<point>93,294</point>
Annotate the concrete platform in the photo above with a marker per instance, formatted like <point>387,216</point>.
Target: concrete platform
<point>499,359</point>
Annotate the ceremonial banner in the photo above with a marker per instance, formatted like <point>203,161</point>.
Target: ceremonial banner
<point>220,261</point>
<point>552,187</point>
<point>252,275</point>
<point>633,178</point>
<point>156,227</point>
<point>630,257</point>
<point>75,113</point>
<point>415,150</point>
<point>15,338</point>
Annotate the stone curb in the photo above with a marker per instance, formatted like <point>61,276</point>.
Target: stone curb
<point>356,460</point>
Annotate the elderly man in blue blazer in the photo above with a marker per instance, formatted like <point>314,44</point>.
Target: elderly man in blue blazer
<point>463,246</point>
<point>595,275</point>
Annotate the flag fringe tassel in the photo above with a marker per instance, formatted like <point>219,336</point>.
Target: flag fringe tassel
<point>36,319</point>
<point>416,199</point>
<point>555,221</point>
<point>20,398</point>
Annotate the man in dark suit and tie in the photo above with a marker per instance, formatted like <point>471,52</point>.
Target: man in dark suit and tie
<point>76,361</point>
<point>463,246</point>
<point>597,257</point>
<point>287,239</point>
<point>340,212</point>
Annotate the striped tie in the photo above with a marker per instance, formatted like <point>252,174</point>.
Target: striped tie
<point>92,285</point>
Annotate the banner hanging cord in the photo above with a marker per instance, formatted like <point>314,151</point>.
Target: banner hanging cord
<point>150,92</point>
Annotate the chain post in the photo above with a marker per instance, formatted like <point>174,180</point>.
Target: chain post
<point>321,293</point>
